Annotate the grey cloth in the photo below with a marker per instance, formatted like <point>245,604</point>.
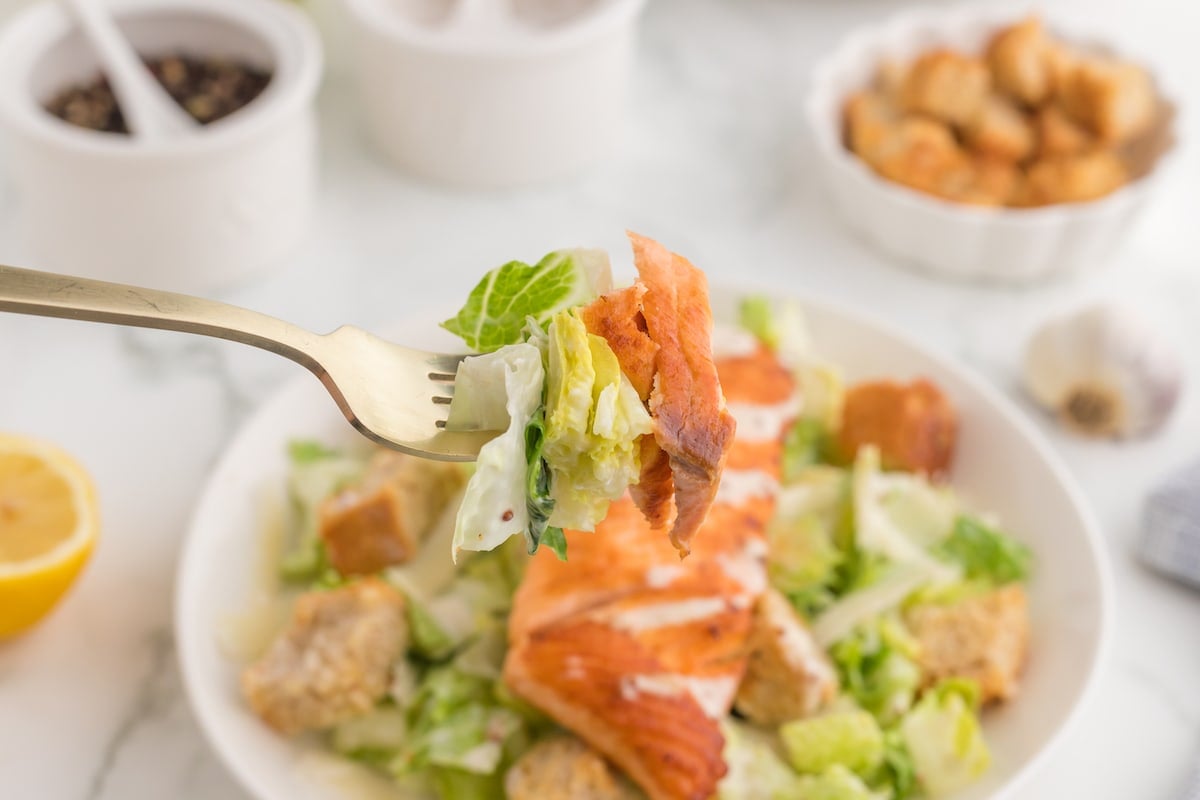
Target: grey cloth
<point>1171,532</point>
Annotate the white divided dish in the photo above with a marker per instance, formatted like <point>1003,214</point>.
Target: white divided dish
<point>193,213</point>
<point>953,240</point>
<point>1002,465</point>
<point>496,93</point>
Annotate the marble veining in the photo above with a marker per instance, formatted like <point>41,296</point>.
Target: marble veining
<point>715,163</point>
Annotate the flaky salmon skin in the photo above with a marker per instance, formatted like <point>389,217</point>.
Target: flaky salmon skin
<point>639,653</point>
<point>683,459</point>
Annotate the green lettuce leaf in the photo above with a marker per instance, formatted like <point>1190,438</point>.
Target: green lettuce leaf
<point>805,444</point>
<point>852,739</point>
<point>497,308</point>
<point>877,667</point>
<point>496,503</point>
<point>374,737</point>
<point>896,777</point>
<point>943,736</point>
<point>593,420</point>
<point>986,554</point>
<point>756,770</point>
<point>835,783</point>
<point>804,556</point>
<point>317,472</point>
<point>756,315</point>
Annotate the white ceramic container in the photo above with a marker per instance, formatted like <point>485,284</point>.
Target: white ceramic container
<point>194,214</point>
<point>500,106</point>
<point>999,245</point>
<point>1002,464</point>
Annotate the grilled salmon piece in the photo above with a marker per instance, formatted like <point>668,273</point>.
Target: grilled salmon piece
<point>661,332</point>
<point>639,653</point>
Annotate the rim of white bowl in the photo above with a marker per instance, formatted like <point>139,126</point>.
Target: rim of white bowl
<point>185,577</point>
<point>606,17</point>
<point>289,35</point>
<point>907,24</point>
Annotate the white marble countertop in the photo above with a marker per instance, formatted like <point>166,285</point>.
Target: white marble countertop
<point>716,165</point>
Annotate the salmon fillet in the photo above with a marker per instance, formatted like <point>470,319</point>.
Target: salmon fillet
<point>639,653</point>
<point>665,322</point>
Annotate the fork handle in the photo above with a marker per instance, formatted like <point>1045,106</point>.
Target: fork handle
<point>46,294</point>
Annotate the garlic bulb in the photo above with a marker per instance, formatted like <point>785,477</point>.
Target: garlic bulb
<point>1104,372</point>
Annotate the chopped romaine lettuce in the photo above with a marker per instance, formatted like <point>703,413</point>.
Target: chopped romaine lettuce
<point>495,504</point>
<point>496,310</point>
<point>756,770</point>
<point>454,721</point>
<point>944,739</point>
<point>804,445</point>
<point>427,638</point>
<point>875,529</point>
<point>756,316</point>
<point>374,737</point>
<point>877,666</point>
<point>985,554</point>
<point>593,420</point>
<point>803,555</point>
<point>836,783</point>
<point>895,583</point>
<point>896,776</point>
<point>850,738</point>
<point>457,784</point>
<point>317,472</point>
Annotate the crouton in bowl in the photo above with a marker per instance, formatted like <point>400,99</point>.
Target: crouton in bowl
<point>981,147</point>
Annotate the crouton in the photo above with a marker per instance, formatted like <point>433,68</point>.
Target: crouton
<point>999,130</point>
<point>382,520</point>
<point>1115,100</point>
<point>1059,135</point>
<point>984,638</point>
<point>946,85</point>
<point>991,182</point>
<point>333,661</point>
<point>564,768</point>
<point>919,153</point>
<point>870,119</point>
<point>788,675</point>
<point>1020,60</point>
<point>914,426</point>
<point>1075,179</point>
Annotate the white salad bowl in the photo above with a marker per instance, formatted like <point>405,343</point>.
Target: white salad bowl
<point>1002,465</point>
<point>955,240</point>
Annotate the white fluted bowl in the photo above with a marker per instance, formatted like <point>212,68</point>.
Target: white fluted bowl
<point>954,240</point>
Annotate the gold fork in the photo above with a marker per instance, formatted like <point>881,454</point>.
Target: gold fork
<point>394,395</point>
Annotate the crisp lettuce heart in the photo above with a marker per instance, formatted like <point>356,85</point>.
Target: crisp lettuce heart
<point>499,305</point>
<point>593,420</point>
<point>495,504</point>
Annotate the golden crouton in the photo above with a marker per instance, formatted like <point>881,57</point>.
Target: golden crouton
<point>917,152</point>
<point>999,130</point>
<point>788,675</point>
<point>984,638</point>
<point>333,661</point>
<point>1074,179</point>
<point>914,426</point>
<point>1059,135</point>
<point>1115,100</point>
<point>870,121</point>
<point>1020,60</point>
<point>946,85</point>
<point>382,520</point>
<point>564,768</point>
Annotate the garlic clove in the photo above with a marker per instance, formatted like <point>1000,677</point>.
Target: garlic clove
<point>1104,372</point>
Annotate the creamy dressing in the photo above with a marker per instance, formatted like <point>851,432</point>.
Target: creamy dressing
<point>713,695</point>
<point>661,576</point>
<point>730,341</point>
<point>757,422</point>
<point>739,485</point>
<point>665,615</point>
<point>747,571</point>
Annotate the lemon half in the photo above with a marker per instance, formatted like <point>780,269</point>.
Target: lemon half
<point>48,526</point>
